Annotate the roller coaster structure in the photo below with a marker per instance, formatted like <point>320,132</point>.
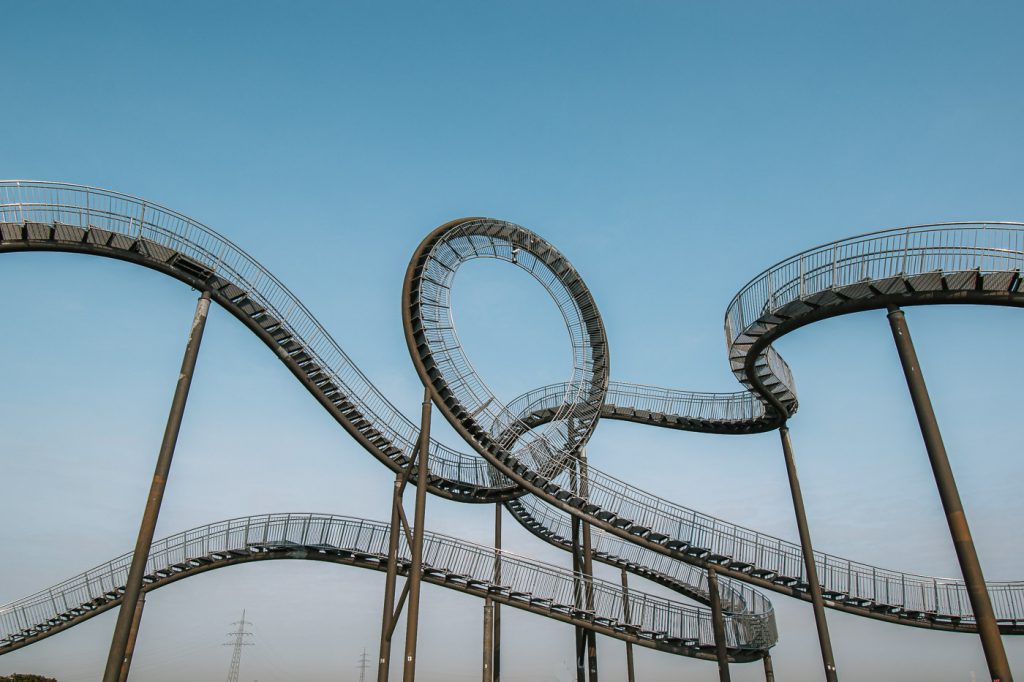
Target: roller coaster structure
<point>529,455</point>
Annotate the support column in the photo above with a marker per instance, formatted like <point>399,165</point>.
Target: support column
<point>496,662</point>
<point>388,615</point>
<point>963,543</point>
<point>588,575</point>
<point>718,625</point>
<point>577,569</point>
<point>488,671</point>
<point>769,672</point>
<point>630,675</point>
<point>824,640</point>
<point>416,566</point>
<point>119,643</point>
<point>132,638</point>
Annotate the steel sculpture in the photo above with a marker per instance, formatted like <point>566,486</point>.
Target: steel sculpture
<point>529,453</point>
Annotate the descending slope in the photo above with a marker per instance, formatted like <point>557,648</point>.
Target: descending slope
<point>528,446</point>
<point>526,584</point>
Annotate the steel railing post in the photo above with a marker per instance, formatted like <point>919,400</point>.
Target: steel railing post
<point>963,543</point>
<point>416,566</point>
<point>824,640</point>
<point>718,625</point>
<point>122,638</point>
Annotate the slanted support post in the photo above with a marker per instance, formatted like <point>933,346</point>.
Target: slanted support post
<point>963,543</point>
<point>718,625</point>
<point>123,640</point>
<point>416,565</point>
<point>769,672</point>
<point>136,620</point>
<point>630,675</point>
<point>389,615</point>
<point>824,640</point>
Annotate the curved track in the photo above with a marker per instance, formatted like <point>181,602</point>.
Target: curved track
<point>526,584</point>
<point>528,446</point>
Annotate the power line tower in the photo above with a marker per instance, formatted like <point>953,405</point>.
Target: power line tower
<point>364,662</point>
<point>236,657</point>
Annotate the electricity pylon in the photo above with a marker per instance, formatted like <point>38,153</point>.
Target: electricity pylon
<point>236,657</point>
<point>364,661</point>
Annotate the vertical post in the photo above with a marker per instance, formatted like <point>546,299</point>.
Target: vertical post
<point>963,543</point>
<point>136,620</point>
<point>488,639</point>
<point>824,640</point>
<point>386,627</point>
<point>119,643</point>
<point>588,574</point>
<point>630,675</point>
<point>718,625</point>
<point>496,664</point>
<point>416,566</point>
<point>769,672</point>
<point>580,634</point>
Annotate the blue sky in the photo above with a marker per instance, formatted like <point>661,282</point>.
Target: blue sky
<point>670,150</point>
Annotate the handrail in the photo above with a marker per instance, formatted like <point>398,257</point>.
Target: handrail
<point>462,561</point>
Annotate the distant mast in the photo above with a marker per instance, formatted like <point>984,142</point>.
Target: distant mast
<point>239,641</point>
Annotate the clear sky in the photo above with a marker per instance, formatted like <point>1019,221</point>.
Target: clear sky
<point>671,150</point>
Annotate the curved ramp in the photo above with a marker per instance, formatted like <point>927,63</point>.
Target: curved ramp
<point>455,564</point>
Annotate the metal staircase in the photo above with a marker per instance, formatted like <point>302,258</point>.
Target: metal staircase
<point>527,446</point>
<point>526,584</point>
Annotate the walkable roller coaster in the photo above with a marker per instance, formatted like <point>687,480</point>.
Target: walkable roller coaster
<point>529,456</point>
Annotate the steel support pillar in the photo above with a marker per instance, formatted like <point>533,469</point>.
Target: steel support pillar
<point>388,616</point>
<point>963,543</point>
<point>488,670</point>
<point>132,638</point>
<point>718,626</point>
<point>496,661</point>
<point>824,640</point>
<point>416,565</point>
<point>122,638</point>
<point>769,672</point>
<point>577,570</point>
<point>588,574</point>
<point>630,675</point>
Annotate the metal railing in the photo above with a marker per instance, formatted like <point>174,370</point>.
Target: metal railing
<point>739,408</point>
<point>920,250</point>
<point>136,219</point>
<point>943,248</point>
<point>743,601</point>
<point>535,582</point>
